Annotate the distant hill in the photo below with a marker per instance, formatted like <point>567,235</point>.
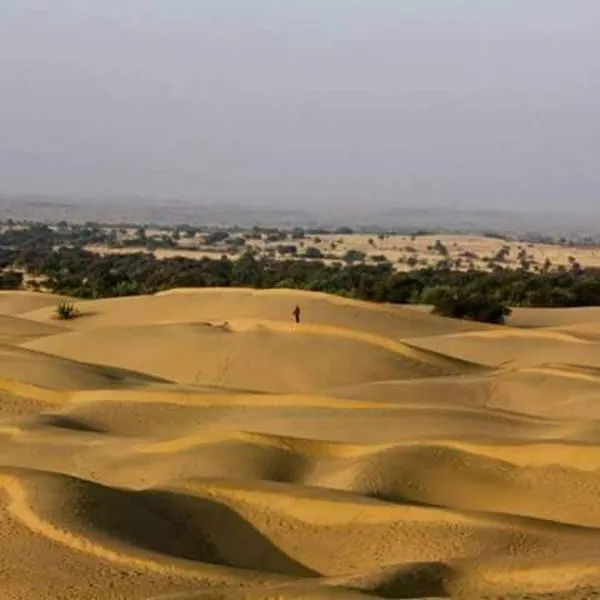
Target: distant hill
<point>129,209</point>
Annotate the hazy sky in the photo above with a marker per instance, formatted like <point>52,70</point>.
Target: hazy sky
<point>395,102</point>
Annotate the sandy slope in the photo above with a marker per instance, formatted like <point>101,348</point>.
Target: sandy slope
<point>554,317</point>
<point>197,444</point>
<point>17,303</point>
<point>226,304</point>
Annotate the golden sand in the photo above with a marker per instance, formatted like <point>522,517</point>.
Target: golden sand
<point>197,444</point>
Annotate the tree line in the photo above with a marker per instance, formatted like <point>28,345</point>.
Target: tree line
<point>471,294</point>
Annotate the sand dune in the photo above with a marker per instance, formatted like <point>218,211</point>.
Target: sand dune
<point>514,348</point>
<point>37,368</point>
<point>553,317</point>
<point>265,356</point>
<point>231,304</point>
<point>198,444</point>
<point>21,302</point>
<point>15,330</point>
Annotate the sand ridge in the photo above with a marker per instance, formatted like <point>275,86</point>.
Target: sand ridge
<point>198,444</point>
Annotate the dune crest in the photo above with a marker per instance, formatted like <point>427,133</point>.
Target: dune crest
<point>199,444</point>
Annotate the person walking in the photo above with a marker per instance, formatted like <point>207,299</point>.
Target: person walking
<point>296,314</point>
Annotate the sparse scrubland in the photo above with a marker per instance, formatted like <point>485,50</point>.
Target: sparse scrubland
<point>183,438</point>
<point>60,260</point>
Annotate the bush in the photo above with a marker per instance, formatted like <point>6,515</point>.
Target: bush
<point>473,306</point>
<point>66,311</point>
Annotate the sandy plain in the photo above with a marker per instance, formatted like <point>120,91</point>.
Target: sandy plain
<point>470,250</point>
<point>197,444</point>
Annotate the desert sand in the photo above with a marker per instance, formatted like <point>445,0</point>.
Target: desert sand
<point>198,444</point>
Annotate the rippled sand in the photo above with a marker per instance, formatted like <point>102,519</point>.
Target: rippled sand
<point>198,444</point>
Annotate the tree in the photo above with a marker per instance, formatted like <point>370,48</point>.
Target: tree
<point>214,238</point>
<point>313,253</point>
<point>247,271</point>
<point>502,254</point>
<point>11,280</point>
<point>475,306</point>
<point>298,233</point>
<point>378,258</point>
<point>352,256</point>
<point>439,248</point>
<point>64,267</point>
<point>287,250</point>
<point>434,295</point>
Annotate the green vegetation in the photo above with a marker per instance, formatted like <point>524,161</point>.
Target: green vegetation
<point>313,253</point>
<point>11,280</point>
<point>459,304</point>
<point>66,311</point>
<point>59,263</point>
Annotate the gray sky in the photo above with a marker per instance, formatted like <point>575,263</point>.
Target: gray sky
<point>487,103</point>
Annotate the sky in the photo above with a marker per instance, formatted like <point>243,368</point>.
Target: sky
<point>454,103</point>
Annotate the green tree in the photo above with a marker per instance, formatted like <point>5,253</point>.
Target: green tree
<point>313,253</point>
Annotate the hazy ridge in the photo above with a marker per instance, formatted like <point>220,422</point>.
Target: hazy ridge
<point>170,212</point>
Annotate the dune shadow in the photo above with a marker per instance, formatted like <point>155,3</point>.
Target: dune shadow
<point>82,314</point>
<point>185,527</point>
<point>110,373</point>
<point>422,580</point>
<point>118,374</point>
<point>397,498</point>
<point>60,421</point>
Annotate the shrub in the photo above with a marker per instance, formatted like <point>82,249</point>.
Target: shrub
<point>66,311</point>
